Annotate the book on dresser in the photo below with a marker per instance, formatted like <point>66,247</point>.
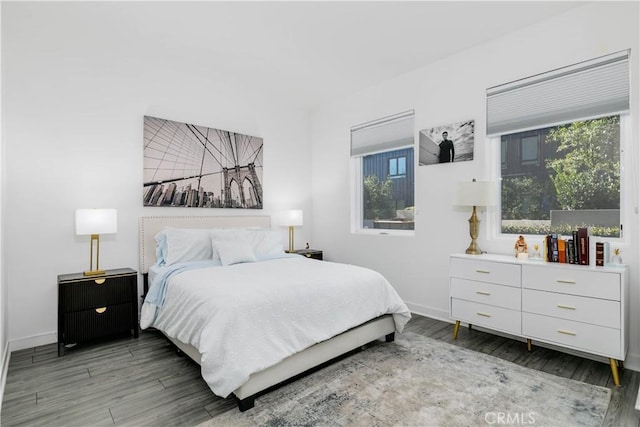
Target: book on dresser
<point>583,246</point>
<point>599,254</point>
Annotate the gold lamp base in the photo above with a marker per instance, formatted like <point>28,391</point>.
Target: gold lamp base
<point>95,241</point>
<point>474,226</point>
<point>291,249</point>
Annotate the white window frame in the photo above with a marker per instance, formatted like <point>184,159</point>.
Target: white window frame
<point>595,88</point>
<point>357,183</point>
<point>357,207</point>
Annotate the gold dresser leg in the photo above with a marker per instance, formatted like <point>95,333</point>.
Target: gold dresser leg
<point>614,371</point>
<point>528,344</point>
<point>455,329</point>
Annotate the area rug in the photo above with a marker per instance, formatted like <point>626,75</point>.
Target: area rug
<point>418,381</point>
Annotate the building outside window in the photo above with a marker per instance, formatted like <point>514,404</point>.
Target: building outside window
<point>382,155</point>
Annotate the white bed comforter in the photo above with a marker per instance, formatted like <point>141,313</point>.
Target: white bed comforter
<point>245,318</point>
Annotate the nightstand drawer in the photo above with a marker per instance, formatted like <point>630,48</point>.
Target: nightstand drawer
<point>571,307</point>
<point>580,336</point>
<point>91,293</point>
<point>573,281</point>
<point>486,293</point>
<point>98,322</point>
<point>492,317</point>
<point>486,271</point>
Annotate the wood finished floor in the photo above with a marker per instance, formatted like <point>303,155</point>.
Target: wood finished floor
<point>142,381</point>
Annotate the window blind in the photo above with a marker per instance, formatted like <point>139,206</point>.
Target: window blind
<point>388,133</point>
<point>588,89</point>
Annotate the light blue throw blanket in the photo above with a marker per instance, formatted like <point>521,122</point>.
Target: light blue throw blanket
<point>158,288</point>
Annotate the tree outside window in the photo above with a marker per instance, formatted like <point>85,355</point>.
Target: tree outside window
<point>576,183</point>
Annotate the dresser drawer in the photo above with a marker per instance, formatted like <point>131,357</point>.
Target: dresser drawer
<point>96,323</point>
<point>486,271</point>
<point>485,293</point>
<point>571,307</point>
<point>490,316</point>
<point>573,281</point>
<point>100,292</point>
<point>580,336</point>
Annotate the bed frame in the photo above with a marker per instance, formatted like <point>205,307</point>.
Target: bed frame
<point>295,365</point>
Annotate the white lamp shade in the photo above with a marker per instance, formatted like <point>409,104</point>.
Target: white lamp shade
<point>96,221</point>
<point>291,218</point>
<point>476,193</point>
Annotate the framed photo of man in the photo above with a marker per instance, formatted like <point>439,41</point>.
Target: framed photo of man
<point>447,144</point>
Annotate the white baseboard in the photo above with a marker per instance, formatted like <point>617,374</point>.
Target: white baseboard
<point>632,362</point>
<point>4,365</point>
<point>33,341</point>
<point>432,312</point>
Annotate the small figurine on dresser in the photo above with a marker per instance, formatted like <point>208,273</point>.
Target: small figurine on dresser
<point>520,248</point>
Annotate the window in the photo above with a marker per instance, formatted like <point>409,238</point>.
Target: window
<point>576,183</point>
<point>397,167</point>
<point>560,147</point>
<point>529,150</point>
<point>382,154</point>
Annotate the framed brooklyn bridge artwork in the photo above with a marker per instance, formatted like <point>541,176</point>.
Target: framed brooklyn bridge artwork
<point>188,165</point>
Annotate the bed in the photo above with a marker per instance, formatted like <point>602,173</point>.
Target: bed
<point>265,320</point>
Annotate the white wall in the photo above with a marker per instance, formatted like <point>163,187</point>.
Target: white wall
<point>75,93</point>
<point>449,91</point>
<point>4,348</point>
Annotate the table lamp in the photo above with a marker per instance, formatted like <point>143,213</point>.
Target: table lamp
<point>95,222</point>
<point>291,218</point>
<point>475,193</point>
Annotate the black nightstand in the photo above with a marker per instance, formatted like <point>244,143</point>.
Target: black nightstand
<point>91,307</point>
<point>309,253</point>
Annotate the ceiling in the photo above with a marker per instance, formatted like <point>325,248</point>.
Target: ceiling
<point>306,53</point>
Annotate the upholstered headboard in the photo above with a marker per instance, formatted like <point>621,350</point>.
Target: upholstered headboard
<point>152,225</point>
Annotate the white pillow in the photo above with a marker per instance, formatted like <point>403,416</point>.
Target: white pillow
<point>265,242</point>
<point>234,251</point>
<point>187,244</point>
<point>225,235</point>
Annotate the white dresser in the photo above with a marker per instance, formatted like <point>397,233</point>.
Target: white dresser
<point>579,307</point>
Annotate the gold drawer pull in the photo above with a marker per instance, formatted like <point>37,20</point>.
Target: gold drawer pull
<point>483,293</point>
<point>101,310</point>
<point>561,331</point>
<point>100,281</point>
<point>483,314</point>
<point>568,307</point>
<point>483,271</point>
<point>570,282</point>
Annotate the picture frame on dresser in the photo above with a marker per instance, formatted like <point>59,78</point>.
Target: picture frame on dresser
<point>571,307</point>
